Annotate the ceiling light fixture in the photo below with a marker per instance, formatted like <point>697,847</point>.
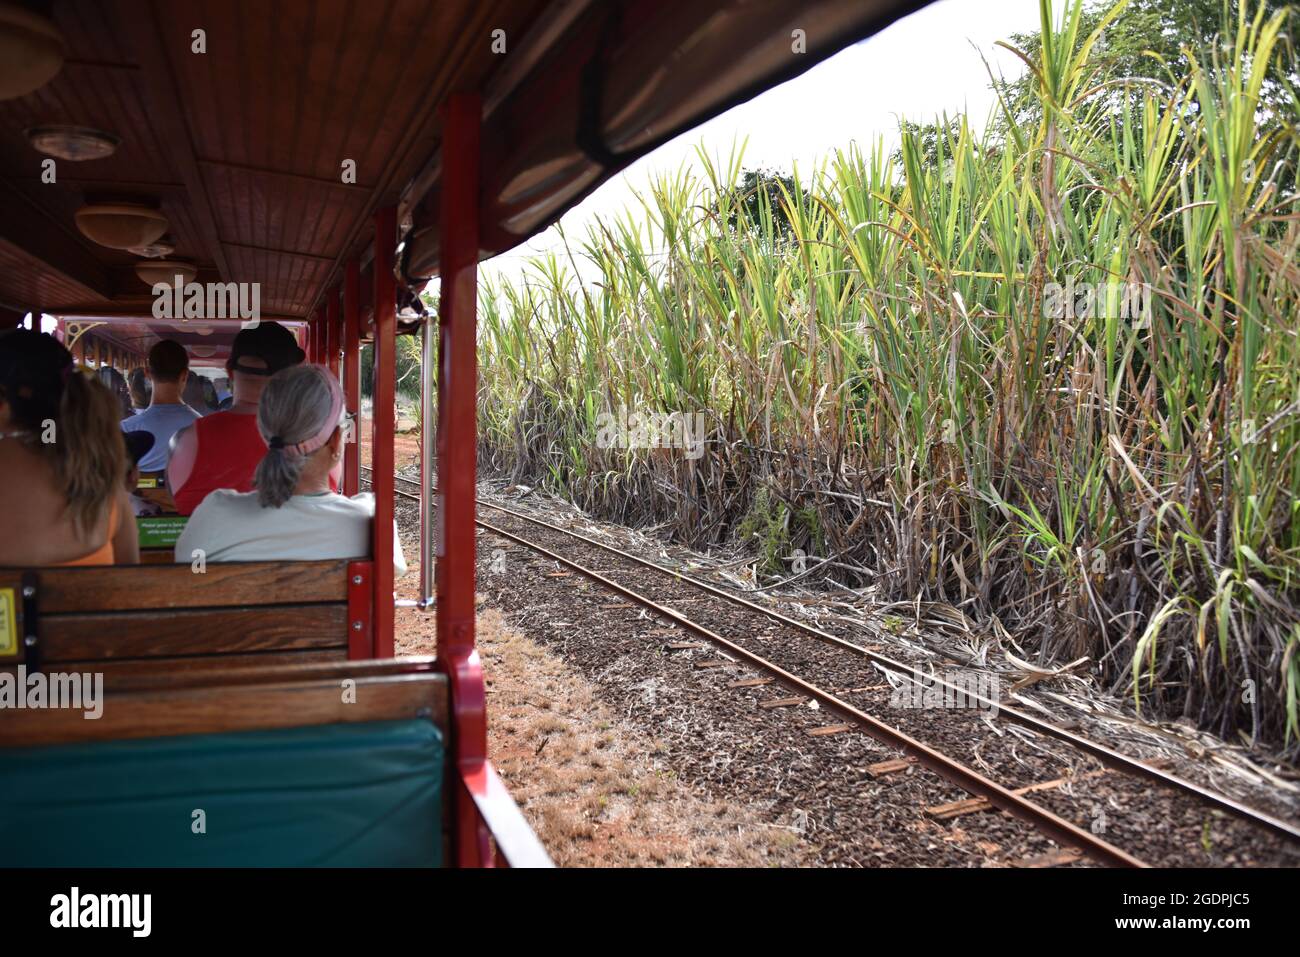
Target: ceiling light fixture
<point>159,250</point>
<point>75,143</point>
<point>31,51</point>
<point>121,225</point>
<point>165,271</point>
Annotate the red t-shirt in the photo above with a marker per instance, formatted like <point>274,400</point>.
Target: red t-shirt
<point>229,449</point>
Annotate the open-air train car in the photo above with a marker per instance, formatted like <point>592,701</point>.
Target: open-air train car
<point>332,156</point>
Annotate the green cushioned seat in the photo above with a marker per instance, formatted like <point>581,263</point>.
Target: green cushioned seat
<point>341,795</point>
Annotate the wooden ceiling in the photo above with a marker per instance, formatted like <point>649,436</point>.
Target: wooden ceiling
<point>242,146</point>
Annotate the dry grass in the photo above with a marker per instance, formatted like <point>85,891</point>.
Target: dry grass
<point>591,785</point>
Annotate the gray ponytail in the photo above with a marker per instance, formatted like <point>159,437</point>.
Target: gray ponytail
<point>293,408</point>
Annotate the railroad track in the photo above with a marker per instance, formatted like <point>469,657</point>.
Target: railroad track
<point>973,782</point>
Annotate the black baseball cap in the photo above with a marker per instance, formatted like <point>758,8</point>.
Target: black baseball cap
<point>268,341</point>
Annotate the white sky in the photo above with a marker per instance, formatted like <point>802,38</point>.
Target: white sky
<point>918,68</point>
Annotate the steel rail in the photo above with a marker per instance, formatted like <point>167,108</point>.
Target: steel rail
<point>1107,756</point>
<point>969,780</point>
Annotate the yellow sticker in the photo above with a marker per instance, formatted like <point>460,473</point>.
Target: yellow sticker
<point>8,624</point>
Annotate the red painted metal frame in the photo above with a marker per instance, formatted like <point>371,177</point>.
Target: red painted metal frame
<point>333,331</point>
<point>352,373</point>
<point>457,441</point>
<point>516,844</point>
<point>482,808</point>
<point>361,598</point>
<point>318,336</point>
<point>310,333</point>
<point>384,423</point>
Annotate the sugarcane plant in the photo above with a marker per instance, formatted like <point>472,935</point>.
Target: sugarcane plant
<point>1047,373</point>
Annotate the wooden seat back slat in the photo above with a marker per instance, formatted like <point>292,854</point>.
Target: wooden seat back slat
<point>136,588</point>
<point>163,618</point>
<point>252,699</point>
<point>142,634</point>
<point>120,671</point>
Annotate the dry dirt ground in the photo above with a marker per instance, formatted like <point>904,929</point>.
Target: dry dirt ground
<point>592,786</point>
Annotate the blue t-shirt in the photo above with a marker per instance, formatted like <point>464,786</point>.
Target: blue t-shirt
<point>163,421</point>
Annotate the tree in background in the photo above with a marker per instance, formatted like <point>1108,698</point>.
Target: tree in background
<point>758,194</point>
<point>1150,40</point>
<point>931,138</point>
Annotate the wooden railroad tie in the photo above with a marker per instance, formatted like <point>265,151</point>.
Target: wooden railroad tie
<point>781,702</point>
<point>829,730</point>
<point>892,766</point>
<point>944,812</point>
<point>713,663</point>
<point>750,683</point>
<point>684,646</point>
<point>1064,855</point>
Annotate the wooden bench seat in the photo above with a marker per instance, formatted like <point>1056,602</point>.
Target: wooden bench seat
<point>324,764</point>
<point>166,619</point>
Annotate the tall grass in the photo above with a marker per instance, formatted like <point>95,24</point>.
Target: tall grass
<point>886,390</point>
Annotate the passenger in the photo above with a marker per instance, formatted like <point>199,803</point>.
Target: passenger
<point>62,460</point>
<point>138,384</point>
<point>167,414</point>
<point>292,515</point>
<point>222,450</point>
<point>138,445</point>
<point>200,395</point>
<point>116,383</point>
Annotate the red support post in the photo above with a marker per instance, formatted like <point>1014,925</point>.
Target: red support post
<point>332,332</point>
<point>352,372</point>
<point>457,442</point>
<point>384,424</point>
<point>318,336</point>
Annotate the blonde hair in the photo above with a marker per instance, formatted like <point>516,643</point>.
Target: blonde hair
<point>89,452</point>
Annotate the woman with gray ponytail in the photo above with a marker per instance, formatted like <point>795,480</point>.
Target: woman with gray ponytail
<point>291,514</point>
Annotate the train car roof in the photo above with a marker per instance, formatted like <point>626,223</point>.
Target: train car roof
<point>243,146</point>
